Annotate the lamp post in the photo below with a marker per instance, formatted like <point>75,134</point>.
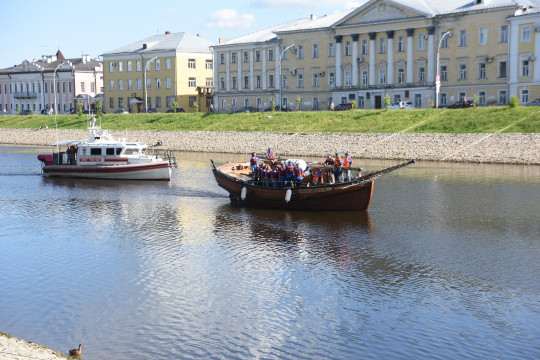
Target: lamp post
<point>438,78</point>
<point>144,80</point>
<point>55,106</point>
<point>280,79</point>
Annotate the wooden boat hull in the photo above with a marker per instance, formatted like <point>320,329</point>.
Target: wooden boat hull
<point>349,196</point>
<point>160,170</point>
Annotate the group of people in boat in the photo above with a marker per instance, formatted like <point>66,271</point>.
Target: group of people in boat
<point>272,171</point>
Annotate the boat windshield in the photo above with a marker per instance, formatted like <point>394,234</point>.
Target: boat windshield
<point>131,151</point>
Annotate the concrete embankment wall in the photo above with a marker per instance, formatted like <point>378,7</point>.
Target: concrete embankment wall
<point>482,148</point>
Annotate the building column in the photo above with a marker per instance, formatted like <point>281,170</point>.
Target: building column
<point>372,75</point>
<point>240,80</point>
<point>277,56</point>
<point>410,54</point>
<point>354,62</point>
<point>431,55</point>
<point>228,74</point>
<point>339,75</point>
<point>264,74</point>
<point>251,72</point>
<point>390,58</point>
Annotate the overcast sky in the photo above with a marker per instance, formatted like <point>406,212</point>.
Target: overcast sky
<point>35,27</point>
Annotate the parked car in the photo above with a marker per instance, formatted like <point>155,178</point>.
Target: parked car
<point>149,111</point>
<point>404,104</point>
<point>178,110</point>
<point>460,104</point>
<point>342,107</point>
<point>533,103</point>
<point>278,108</point>
<point>25,112</point>
<point>248,109</point>
<point>121,111</point>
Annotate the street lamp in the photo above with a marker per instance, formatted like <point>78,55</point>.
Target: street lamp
<point>55,106</point>
<point>280,79</point>
<point>438,78</point>
<point>144,80</point>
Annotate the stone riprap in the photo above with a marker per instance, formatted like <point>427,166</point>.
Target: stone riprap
<point>481,148</point>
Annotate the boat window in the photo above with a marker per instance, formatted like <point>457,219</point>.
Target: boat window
<point>95,151</point>
<point>118,151</point>
<point>132,151</point>
<point>110,151</point>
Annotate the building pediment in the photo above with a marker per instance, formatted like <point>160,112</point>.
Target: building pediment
<point>380,11</point>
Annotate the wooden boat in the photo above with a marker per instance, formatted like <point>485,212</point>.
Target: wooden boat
<point>102,157</point>
<point>353,195</point>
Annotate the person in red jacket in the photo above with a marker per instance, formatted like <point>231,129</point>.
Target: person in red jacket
<point>347,162</point>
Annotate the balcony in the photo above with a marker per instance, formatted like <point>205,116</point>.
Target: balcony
<point>25,95</point>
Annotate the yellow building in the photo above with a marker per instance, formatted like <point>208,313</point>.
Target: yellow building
<point>173,67</point>
<point>430,54</point>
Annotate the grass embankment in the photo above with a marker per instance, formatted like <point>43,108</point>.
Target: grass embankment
<point>474,120</point>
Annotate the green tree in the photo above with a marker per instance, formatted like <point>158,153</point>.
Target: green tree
<point>18,109</point>
<point>475,100</point>
<point>273,104</point>
<point>79,108</point>
<point>99,108</point>
<point>298,102</point>
<point>31,111</point>
<point>354,105</point>
<point>174,106</point>
<point>386,101</point>
<point>514,102</point>
<point>196,106</point>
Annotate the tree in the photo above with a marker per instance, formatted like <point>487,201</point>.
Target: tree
<point>79,108</point>
<point>31,111</point>
<point>273,104</point>
<point>386,101</point>
<point>298,102</point>
<point>354,105</point>
<point>18,110</point>
<point>174,106</point>
<point>196,106</point>
<point>514,101</point>
<point>99,108</point>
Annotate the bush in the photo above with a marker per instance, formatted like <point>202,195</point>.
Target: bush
<point>386,101</point>
<point>514,101</point>
<point>99,108</point>
<point>79,108</point>
<point>354,105</point>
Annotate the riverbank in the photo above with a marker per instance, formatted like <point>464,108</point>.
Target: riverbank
<point>15,349</point>
<point>476,148</point>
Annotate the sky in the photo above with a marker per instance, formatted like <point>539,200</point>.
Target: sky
<point>43,27</point>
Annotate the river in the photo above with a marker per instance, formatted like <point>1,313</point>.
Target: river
<point>444,265</point>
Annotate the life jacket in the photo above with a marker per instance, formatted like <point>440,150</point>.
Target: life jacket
<point>338,162</point>
<point>329,161</point>
<point>271,154</point>
<point>254,160</point>
<point>317,177</point>
<point>347,161</point>
<point>299,173</point>
<point>290,170</point>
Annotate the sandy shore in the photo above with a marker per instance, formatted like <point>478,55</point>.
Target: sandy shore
<point>15,349</point>
<point>479,148</point>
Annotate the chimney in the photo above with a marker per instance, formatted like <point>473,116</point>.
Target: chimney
<point>313,17</point>
<point>167,33</point>
<point>144,46</point>
<point>199,35</point>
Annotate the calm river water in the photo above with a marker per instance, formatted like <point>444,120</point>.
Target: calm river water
<point>445,265</point>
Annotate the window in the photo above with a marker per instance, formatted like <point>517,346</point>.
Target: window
<point>138,66</point>
<point>82,86</point>
<point>130,84</point>
<point>44,89</point>
<point>120,66</point>
<point>397,98</point>
<point>158,101</point>
<point>482,70</point>
<point>192,100</point>
<point>139,84</point>
<point>361,102</point>
<point>167,64</point>
<point>482,36</point>
<point>524,96</point>
<point>158,83</point>
<point>502,97</point>
<point>300,80</point>
<point>421,74</point>
<point>300,50</point>
<point>347,78</point>
<point>192,82</point>
<point>158,65</point>
<point>233,58</point>
<point>401,76</point>
<point>246,82</point>
<point>502,69</point>
<point>258,81</point>
<point>382,76</point>
<point>284,81</point>
<point>129,66</point>
<point>443,99</point>
<point>444,73</point>
<point>462,38</point>
<point>481,98</point>
<point>222,58</point>
<point>315,51</point>
<point>503,34</point>
<point>246,57</point>
<point>209,65</point>
<point>462,72</point>
<point>111,67</point>
<point>149,102</point>
<point>63,87</point>
<point>526,34</point>
<point>382,45</point>
<point>285,54</point>
<point>271,80</point>
<point>191,64</point>
<point>364,77</point>
<point>525,68</point>
<point>209,82</point>
<point>258,56</point>
<point>222,83</point>
<point>168,83</point>
<point>331,79</point>
<point>96,151</point>
<point>233,81</point>
<point>315,103</point>
<point>120,84</point>
<point>418,100</point>
<point>111,103</point>
<point>364,46</point>
<point>331,50</point>
<point>223,104</point>
<point>120,102</point>
<point>148,84</point>
<point>111,85</point>
<point>421,42</point>
<point>315,80</point>
<point>347,48</point>
<point>401,43</point>
<point>92,87</point>
<point>444,42</point>
<point>270,54</point>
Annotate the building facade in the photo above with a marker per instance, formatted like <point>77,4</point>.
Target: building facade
<point>52,82</point>
<point>430,55</point>
<point>159,70</point>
